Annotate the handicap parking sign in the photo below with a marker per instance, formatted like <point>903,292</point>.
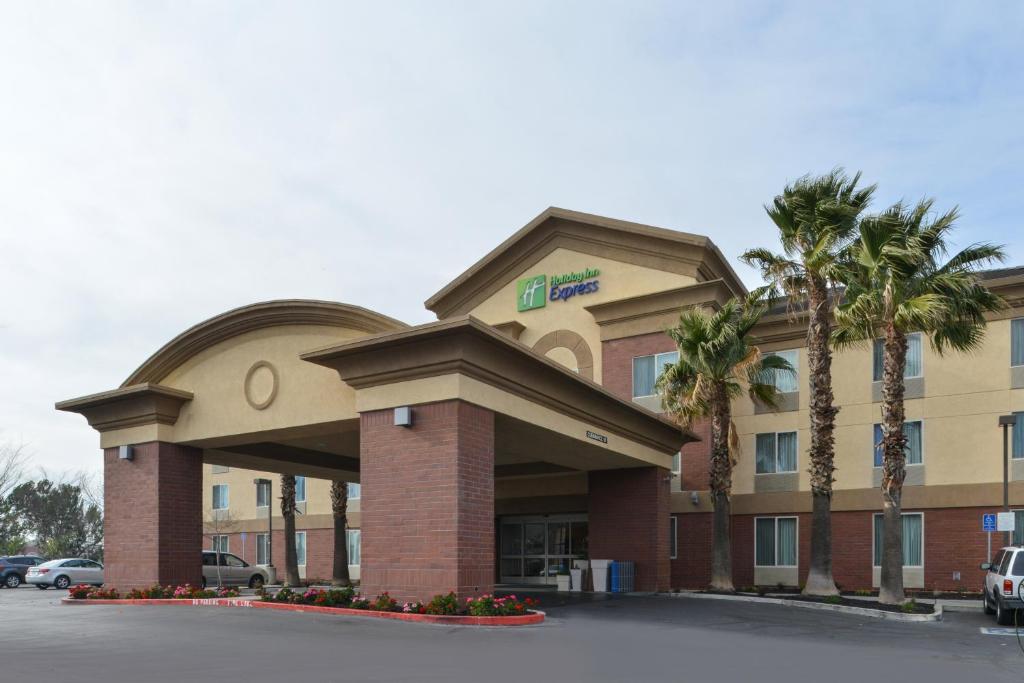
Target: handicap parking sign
<point>988,522</point>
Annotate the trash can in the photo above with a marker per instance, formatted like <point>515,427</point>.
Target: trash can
<point>623,576</point>
<point>600,569</point>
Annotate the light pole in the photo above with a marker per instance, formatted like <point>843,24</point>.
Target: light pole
<point>260,483</point>
<point>1007,422</point>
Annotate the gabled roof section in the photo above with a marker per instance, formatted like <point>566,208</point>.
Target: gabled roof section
<point>642,245</point>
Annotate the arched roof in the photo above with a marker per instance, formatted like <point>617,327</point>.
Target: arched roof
<point>254,317</point>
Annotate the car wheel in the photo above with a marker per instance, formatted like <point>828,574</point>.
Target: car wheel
<point>41,586</point>
<point>1004,616</point>
<point>61,582</point>
<point>256,581</point>
<point>986,605</point>
<point>12,581</point>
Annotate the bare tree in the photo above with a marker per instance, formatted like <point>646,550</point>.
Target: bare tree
<point>13,462</point>
<point>218,523</point>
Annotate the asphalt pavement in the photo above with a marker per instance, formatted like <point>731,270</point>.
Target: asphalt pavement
<point>617,639</point>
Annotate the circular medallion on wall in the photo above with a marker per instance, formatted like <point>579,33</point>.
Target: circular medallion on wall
<point>260,387</point>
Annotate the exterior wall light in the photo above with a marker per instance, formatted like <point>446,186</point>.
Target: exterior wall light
<point>403,416</point>
<point>126,452</point>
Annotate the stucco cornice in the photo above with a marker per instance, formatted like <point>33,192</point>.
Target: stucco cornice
<point>469,347</point>
<point>132,406</point>
<point>254,317</point>
<point>655,312</point>
<point>643,245</point>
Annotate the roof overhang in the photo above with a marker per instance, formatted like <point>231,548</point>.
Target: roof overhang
<point>470,348</point>
<point>133,406</point>
<point>656,312</point>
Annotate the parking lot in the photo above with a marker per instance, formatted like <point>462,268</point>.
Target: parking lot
<point>616,639</point>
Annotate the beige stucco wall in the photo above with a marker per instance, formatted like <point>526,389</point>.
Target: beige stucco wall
<point>307,393</point>
<point>964,395</point>
<point>617,281</point>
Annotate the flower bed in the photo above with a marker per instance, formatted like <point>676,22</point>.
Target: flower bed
<point>486,610</point>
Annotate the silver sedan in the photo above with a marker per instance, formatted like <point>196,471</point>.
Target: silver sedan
<point>66,572</point>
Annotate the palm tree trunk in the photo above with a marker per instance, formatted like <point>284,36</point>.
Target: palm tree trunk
<point>893,466</point>
<point>291,564</point>
<point>339,507</point>
<point>822,451</point>
<point>721,484</point>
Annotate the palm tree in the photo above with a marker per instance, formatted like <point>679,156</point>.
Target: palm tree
<point>716,357</point>
<point>291,562</point>
<point>817,219</point>
<point>897,284</point>
<point>339,507</point>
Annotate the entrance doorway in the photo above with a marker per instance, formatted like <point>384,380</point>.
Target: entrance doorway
<point>535,549</point>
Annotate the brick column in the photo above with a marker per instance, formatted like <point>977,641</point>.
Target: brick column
<point>629,520</point>
<point>427,507</point>
<point>153,516</point>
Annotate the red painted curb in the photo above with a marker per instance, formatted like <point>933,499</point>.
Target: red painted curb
<point>532,617</point>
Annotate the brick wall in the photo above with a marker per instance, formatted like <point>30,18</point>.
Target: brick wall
<point>629,520</point>
<point>428,501</point>
<point>692,566</point>
<point>617,359</point>
<point>153,516</point>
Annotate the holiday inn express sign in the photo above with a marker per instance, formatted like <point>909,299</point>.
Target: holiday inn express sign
<point>534,291</point>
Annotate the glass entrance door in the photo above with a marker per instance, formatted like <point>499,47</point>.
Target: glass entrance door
<point>536,549</point>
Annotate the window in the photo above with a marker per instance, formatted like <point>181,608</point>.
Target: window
<point>647,369</point>
<point>261,549</point>
<point>354,491</point>
<point>785,382</point>
<point>300,489</point>
<point>300,547</point>
<point>912,431</point>
<point>1018,436</point>
<point>220,543</point>
<point>354,538</point>
<point>220,496</point>
<point>1017,342</point>
<point>677,462</point>
<point>262,495</point>
<point>775,452</point>
<point>775,541</point>
<point>673,530</point>
<point>913,539</point>
<point>914,366</point>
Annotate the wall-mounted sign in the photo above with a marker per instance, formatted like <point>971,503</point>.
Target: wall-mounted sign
<point>597,437</point>
<point>534,291</point>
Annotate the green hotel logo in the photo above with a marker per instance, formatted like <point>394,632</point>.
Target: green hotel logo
<point>531,292</point>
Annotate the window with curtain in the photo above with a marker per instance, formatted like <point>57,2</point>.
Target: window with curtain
<point>1018,527</point>
<point>261,549</point>
<point>220,544</point>
<point>1018,436</point>
<point>913,539</point>
<point>1017,342</point>
<point>220,496</point>
<point>914,366</point>
<point>354,490</point>
<point>300,547</point>
<point>300,489</point>
<point>785,382</point>
<point>775,541</point>
<point>647,369</point>
<point>775,452</point>
<point>262,495</point>
<point>913,432</point>
<point>352,536</point>
<point>677,463</point>
<point>673,530</point>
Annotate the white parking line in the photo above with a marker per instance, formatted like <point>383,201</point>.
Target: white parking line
<point>996,631</point>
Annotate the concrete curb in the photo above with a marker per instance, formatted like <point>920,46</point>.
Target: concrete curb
<point>530,618</point>
<point>860,611</point>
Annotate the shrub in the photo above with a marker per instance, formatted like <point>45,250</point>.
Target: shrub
<point>909,606</point>
<point>79,592</point>
<point>834,599</point>
<point>443,604</point>
<point>86,592</point>
<point>384,603</point>
<point>863,592</point>
<point>490,606</point>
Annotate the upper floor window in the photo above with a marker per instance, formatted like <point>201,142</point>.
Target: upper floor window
<point>677,462</point>
<point>912,431</point>
<point>914,367</point>
<point>1018,436</point>
<point>300,489</point>
<point>775,452</point>
<point>354,490</point>
<point>262,495</point>
<point>220,496</point>
<point>1017,342</point>
<point>785,382</point>
<point>647,369</point>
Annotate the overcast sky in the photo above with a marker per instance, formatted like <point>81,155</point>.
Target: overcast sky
<point>162,162</point>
